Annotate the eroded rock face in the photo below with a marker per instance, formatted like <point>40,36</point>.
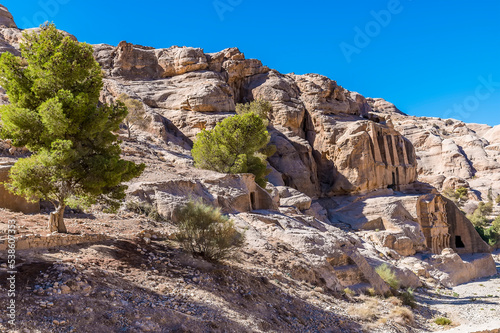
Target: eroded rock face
<point>451,148</point>
<point>6,18</point>
<point>233,193</point>
<point>351,154</point>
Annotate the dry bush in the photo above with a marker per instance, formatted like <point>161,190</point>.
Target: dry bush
<point>402,315</point>
<point>395,301</point>
<point>369,310</point>
<point>205,231</point>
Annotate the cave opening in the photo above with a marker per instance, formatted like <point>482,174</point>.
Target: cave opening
<point>458,242</point>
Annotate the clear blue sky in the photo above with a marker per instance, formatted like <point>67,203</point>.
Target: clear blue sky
<point>430,58</point>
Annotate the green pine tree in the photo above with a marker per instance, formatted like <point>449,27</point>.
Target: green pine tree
<point>55,112</point>
<point>235,145</point>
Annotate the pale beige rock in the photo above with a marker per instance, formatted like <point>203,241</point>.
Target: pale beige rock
<point>328,251</point>
<point>180,60</point>
<point>292,197</point>
<point>233,193</point>
<point>452,148</point>
<point>383,107</point>
<point>451,269</point>
<point>282,92</point>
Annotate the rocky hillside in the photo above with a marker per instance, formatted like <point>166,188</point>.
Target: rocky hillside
<point>354,184</point>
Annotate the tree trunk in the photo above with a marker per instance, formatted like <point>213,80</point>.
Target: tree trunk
<point>56,220</point>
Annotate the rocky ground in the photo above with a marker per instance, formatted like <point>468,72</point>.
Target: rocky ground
<point>142,281</point>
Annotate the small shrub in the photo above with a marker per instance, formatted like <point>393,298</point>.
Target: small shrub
<point>349,292</point>
<point>496,224</point>
<point>388,276</point>
<point>489,235</point>
<point>135,115</point>
<point>371,292</point>
<point>146,209</point>
<point>205,231</point>
<point>448,122</point>
<point>442,321</point>
<point>402,315</point>
<point>408,298</point>
<point>458,195</point>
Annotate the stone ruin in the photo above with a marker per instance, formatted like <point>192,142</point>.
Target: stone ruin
<point>445,226</point>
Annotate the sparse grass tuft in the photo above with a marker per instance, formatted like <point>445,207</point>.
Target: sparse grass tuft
<point>442,321</point>
<point>367,311</point>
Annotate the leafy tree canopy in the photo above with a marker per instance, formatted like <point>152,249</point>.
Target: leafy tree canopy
<point>235,145</point>
<point>55,112</point>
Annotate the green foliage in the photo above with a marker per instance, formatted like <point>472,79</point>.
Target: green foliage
<point>442,321</point>
<point>407,297</point>
<point>457,195</point>
<point>259,107</point>
<point>349,292</point>
<point>146,209</point>
<point>136,113</point>
<point>461,192</point>
<point>477,219</point>
<point>497,199</point>
<point>489,235</point>
<point>388,276</point>
<point>486,208</point>
<point>496,224</point>
<point>448,122</point>
<point>205,231</point>
<point>238,144</point>
<point>55,112</point>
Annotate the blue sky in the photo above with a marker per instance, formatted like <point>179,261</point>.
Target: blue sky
<point>430,58</point>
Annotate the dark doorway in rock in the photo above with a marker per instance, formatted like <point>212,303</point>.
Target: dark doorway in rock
<point>252,200</point>
<point>458,242</point>
<point>393,185</point>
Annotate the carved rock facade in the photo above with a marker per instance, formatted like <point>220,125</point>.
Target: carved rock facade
<point>445,226</point>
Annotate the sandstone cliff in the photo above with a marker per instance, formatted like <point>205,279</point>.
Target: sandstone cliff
<point>340,159</point>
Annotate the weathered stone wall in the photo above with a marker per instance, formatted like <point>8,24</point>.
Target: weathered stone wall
<point>445,226</point>
<point>11,201</point>
<point>25,242</point>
